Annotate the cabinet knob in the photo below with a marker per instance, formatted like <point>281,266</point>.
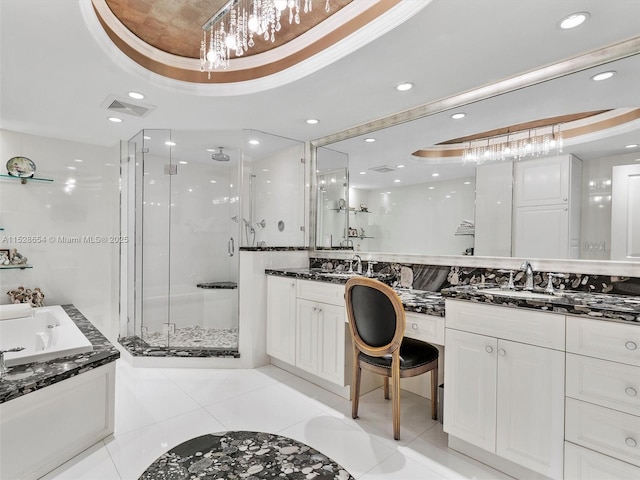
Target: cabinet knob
<point>631,442</point>
<point>501,352</point>
<point>565,199</point>
<point>314,309</point>
<point>632,392</point>
<point>488,349</point>
<point>320,310</point>
<point>414,326</point>
<point>631,345</point>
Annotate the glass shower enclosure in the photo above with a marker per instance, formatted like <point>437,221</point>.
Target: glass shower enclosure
<point>180,266</point>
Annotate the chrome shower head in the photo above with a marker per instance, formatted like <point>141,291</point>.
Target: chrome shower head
<point>219,156</point>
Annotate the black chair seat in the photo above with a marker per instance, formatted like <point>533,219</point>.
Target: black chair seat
<point>413,353</point>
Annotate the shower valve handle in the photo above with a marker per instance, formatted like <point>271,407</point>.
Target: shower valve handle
<point>231,246</point>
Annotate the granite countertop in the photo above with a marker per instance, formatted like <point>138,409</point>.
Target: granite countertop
<point>419,301</point>
<point>594,305</point>
<point>23,379</point>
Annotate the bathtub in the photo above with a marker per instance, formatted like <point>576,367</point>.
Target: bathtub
<point>46,334</point>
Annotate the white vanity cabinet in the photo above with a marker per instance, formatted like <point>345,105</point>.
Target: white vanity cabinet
<point>306,322</point>
<point>504,381</point>
<point>603,399</point>
<point>281,318</point>
<point>547,207</point>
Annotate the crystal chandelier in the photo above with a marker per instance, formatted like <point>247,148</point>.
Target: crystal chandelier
<point>515,146</point>
<point>233,28</point>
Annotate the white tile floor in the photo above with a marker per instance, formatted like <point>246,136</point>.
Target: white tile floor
<point>157,409</point>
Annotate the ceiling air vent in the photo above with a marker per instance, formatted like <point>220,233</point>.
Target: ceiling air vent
<point>382,169</point>
<point>127,107</point>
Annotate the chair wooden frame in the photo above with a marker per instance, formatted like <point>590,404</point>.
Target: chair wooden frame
<point>392,348</point>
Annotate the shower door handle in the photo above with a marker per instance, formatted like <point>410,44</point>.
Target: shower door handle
<point>231,246</point>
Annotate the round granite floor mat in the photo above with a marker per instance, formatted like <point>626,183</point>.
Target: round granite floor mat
<point>244,455</point>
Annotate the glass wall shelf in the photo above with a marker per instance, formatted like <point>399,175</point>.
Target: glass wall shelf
<point>23,180</point>
<point>15,267</point>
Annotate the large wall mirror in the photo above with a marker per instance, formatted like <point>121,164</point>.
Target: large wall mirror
<point>405,191</point>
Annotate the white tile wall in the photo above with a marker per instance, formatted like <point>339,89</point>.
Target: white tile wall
<point>56,219</point>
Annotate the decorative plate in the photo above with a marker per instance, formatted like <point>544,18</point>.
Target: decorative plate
<point>21,167</point>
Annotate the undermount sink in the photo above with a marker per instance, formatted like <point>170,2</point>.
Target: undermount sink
<point>524,294</point>
<point>342,274</point>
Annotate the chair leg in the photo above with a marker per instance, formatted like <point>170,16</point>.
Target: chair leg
<point>434,393</point>
<point>395,399</point>
<point>386,388</point>
<point>355,394</point>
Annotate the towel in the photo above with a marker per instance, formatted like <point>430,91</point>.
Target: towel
<point>16,310</point>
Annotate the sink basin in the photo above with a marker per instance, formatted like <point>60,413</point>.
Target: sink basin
<point>523,294</point>
<point>341,274</point>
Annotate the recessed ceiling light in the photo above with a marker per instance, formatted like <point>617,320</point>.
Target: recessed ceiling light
<point>115,119</point>
<point>573,20</point>
<point>213,181</point>
<point>78,160</point>
<point>71,168</point>
<point>632,145</point>
<point>467,183</point>
<point>397,180</point>
<point>170,143</point>
<point>313,121</point>
<point>431,188</point>
<point>254,142</point>
<point>458,116</point>
<point>212,149</point>
<point>403,87</point>
<point>388,193</point>
<point>399,166</point>
<point>603,76</point>
<point>363,173</point>
<point>146,137</point>
<point>435,174</point>
<point>369,140</point>
<point>182,162</point>
<point>136,95</point>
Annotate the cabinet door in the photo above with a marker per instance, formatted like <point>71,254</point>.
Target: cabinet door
<point>543,181</point>
<point>307,336</point>
<point>530,405</point>
<point>331,338</point>
<point>470,380</point>
<point>281,314</point>
<point>541,232</point>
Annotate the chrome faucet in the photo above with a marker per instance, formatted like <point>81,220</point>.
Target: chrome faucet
<point>357,258</point>
<point>3,368</point>
<point>528,270</point>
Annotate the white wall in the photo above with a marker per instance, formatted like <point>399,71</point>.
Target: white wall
<point>433,214</point>
<point>278,195</point>
<point>81,202</point>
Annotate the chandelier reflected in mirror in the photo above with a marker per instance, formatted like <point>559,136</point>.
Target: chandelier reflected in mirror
<point>515,146</point>
<point>231,31</point>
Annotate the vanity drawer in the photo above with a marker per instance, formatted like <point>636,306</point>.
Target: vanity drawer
<point>517,324</point>
<point>321,292</point>
<point>604,430</point>
<point>584,464</point>
<point>603,339</point>
<point>428,328</point>
<point>610,384</point>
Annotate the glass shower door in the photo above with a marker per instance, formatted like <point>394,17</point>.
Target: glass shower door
<point>203,299</point>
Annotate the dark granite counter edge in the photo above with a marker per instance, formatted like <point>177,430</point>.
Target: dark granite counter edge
<point>44,374</point>
<point>274,249</point>
<point>575,305</point>
<point>553,305</point>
